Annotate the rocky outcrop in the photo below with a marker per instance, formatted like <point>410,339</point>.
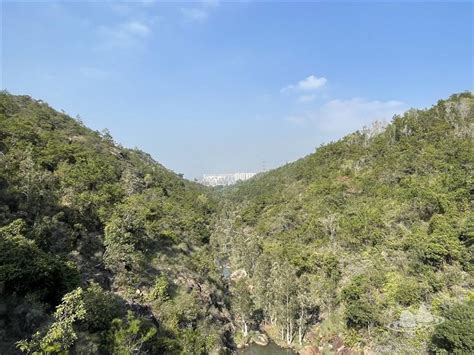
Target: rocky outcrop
<point>309,350</point>
<point>260,339</point>
<point>238,274</point>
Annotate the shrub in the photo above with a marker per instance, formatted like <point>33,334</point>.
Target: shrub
<point>456,334</point>
<point>160,291</point>
<point>361,310</point>
<point>131,336</point>
<point>26,268</point>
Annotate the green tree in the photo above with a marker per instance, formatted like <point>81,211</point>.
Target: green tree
<point>455,334</point>
<point>131,336</point>
<point>286,304</point>
<point>360,309</point>
<point>25,268</point>
<point>242,304</point>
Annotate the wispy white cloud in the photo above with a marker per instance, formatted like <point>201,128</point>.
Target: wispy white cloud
<point>200,12</point>
<point>137,28</point>
<point>353,114</point>
<point>310,83</point>
<point>306,98</point>
<point>124,35</point>
<point>194,14</point>
<point>120,8</point>
<point>128,8</point>
<point>339,117</point>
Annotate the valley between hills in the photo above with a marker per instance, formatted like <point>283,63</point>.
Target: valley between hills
<point>365,245</point>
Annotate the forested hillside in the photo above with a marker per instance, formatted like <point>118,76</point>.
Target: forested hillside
<point>367,243</point>
<point>101,248</point>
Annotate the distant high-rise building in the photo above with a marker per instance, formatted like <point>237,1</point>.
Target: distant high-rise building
<point>225,179</point>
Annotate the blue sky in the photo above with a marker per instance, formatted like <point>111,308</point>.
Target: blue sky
<point>217,86</point>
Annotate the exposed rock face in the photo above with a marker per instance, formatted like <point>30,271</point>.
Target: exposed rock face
<point>424,316</point>
<point>144,311</point>
<point>238,274</point>
<point>192,282</point>
<point>309,350</point>
<point>260,339</point>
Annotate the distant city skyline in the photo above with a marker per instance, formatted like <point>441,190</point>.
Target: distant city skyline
<point>225,179</point>
<point>216,86</point>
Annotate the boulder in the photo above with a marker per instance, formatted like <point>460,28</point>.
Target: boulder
<point>309,350</point>
<point>238,274</point>
<point>260,339</point>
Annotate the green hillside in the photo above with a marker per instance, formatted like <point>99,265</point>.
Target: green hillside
<point>90,231</point>
<point>338,244</point>
<point>366,244</point>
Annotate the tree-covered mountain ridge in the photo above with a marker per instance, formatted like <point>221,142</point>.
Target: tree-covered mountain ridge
<point>359,246</point>
<point>102,250</point>
<point>338,246</point>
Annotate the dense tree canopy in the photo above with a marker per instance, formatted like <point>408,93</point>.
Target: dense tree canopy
<point>367,242</point>
<point>377,223</point>
<point>78,210</point>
